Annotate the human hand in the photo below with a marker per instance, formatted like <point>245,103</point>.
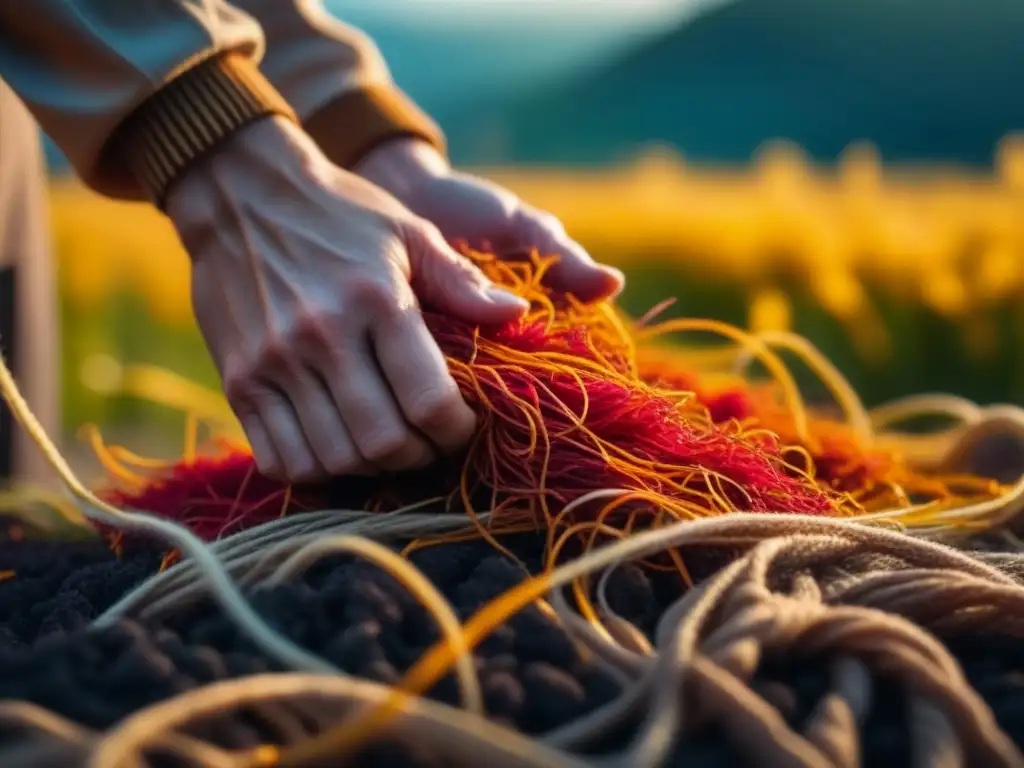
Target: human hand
<point>305,281</point>
<point>485,215</point>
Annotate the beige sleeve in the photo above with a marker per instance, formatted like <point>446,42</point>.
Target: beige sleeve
<point>83,66</point>
<point>134,91</point>
<point>334,77</point>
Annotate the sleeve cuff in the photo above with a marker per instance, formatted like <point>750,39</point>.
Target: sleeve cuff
<point>190,116</point>
<point>354,124</point>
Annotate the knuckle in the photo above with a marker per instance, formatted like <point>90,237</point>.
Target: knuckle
<point>552,223</point>
<point>268,467</point>
<point>508,210</point>
<point>373,295</point>
<point>433,407</point>
<point>429,232</point>
<point>341,463</point>
<point>274,354</point>
<point>313,329</point>
<point>238,388</point>
<point>383,447</point>
<point>305,470</point>
<point>417,231</point>
<point>377,299</point>
<point>423,238</point>
<point>543,219</point>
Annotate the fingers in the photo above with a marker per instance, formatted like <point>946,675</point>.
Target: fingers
<point>264,452</point>
<point>348,425</point>
<point>279,446</point>
<point>364,400</point>
<point>294,429</point>
<point>324,429</point>
<point>376,397</point>
<point>448,283</point>
<point>575,272</point>
<point>429,398</point>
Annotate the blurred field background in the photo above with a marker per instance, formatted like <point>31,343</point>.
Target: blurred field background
<point>852,170</point>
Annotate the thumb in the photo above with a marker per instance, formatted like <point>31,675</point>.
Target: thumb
<point>446,282</point>
<point>575,271</point>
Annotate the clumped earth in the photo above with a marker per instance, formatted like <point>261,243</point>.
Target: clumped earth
<point>534,678</point>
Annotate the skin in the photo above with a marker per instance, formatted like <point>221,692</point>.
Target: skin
<point>306,285</point>
<point>485,215</point>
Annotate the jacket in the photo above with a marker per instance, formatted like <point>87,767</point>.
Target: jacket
<point>133,91</point>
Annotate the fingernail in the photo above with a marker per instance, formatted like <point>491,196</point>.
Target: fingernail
<point>616,279</point>
<point>505,299</point>
<point>618,274</point>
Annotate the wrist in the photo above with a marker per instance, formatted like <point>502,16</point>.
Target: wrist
<point>253,161</point>
<point>191,118</point>
<point>401,166</point>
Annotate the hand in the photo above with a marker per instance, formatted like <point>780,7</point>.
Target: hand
<point>304,284</point>
<point>485,215</point>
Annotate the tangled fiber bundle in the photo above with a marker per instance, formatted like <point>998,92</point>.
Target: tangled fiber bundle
<point>760,519</point>
<point>807,642</point>
<point>583,418</point>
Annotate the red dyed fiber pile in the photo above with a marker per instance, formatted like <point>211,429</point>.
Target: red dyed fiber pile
<point>566,410</point>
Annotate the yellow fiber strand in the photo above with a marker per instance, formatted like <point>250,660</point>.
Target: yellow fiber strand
<point>830,376</point>
<point>757,347</point>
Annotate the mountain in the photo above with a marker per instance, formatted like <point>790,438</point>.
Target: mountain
<point>922,79</point>
<point>454,56</point>
<point>444,66</point>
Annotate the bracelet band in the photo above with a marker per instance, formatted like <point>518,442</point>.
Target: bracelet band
<point>357,122</point>
<point>190,116</point>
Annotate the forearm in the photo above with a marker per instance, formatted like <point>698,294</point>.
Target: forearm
<point>130,91</point>
<point>336,80</point>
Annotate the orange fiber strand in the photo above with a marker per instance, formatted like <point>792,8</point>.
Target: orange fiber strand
<point>575,400</point>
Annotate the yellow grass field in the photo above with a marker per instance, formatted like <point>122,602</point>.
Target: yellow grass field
<point>838,254</point>
<point>907,228</point>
